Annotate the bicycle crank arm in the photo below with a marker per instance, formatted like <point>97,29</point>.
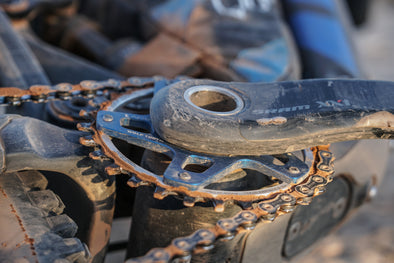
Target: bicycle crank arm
<point>269,118</point>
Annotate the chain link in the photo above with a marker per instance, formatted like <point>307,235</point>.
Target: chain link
<point>264,211</point>
<point>65,91</point>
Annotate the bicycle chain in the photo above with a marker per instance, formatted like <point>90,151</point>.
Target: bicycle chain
<point>267,210</point>
<point>65,91</point>
<point>203,239</point>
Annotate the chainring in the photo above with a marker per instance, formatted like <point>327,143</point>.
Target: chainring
<point>195,177</point>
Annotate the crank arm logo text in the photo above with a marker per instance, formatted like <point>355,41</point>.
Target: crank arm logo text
<point>319,104</point>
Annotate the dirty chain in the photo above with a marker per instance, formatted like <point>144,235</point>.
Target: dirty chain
<point>65,91</point>
<point>266,210</point>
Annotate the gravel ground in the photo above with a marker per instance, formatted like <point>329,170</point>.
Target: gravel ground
<point>369,235</point>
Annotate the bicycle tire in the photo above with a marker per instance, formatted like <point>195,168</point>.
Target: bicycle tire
<point>33,227</point>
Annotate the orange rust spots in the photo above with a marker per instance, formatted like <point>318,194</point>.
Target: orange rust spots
<point>40,89</point>
<point>13,92</point>
<point>27,239</point>
<point>17,217</point>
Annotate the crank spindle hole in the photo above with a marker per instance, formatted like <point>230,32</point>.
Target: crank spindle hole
<point>215,100</point>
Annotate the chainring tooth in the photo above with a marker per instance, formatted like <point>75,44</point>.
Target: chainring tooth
<point>85,127</point>
<point>134,181</point>
<point>113,169</point>
<point>88,141</point>
<point>98,155</point>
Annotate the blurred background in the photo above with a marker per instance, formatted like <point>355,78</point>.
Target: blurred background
<point>368,236</point>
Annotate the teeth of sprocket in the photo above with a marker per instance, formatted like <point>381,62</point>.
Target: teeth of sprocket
<point>88,141</point>
<point>219,205</point>
<point>85,127</point>
<point>98,155</point>
<point>113,169</point>
<point>134,181</point>
<point>88,114</point>
<point>161,193</point>
<point>189,201</point>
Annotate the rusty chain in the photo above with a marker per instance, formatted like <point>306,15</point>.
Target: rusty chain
<point>65,91</point>
<point>203,239</point>
<point>265,211</point>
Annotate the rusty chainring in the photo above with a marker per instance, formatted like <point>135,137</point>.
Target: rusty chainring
<point>265,205</point>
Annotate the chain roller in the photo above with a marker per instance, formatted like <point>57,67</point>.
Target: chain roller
<point>65,91</point>
<point>264,211</point>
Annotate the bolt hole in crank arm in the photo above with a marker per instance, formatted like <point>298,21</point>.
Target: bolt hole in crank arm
<point>254,119</point>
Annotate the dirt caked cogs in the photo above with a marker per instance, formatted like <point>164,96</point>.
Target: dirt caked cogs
<point>124,127</point>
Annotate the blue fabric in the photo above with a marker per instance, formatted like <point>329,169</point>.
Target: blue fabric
<point>324,35</point>
<point>321,33</point>
<point>266,63</point>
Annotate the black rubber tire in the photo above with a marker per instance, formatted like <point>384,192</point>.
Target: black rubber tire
<point>32,226</point>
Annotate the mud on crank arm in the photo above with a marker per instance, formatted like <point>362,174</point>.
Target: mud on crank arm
<point>256,119</point>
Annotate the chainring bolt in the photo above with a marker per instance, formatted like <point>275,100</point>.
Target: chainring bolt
<point>294,170</point>
<point>185,176</point>
<point>108,118</point>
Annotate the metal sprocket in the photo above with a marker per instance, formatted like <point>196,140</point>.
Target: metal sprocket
<point>119,122</point>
